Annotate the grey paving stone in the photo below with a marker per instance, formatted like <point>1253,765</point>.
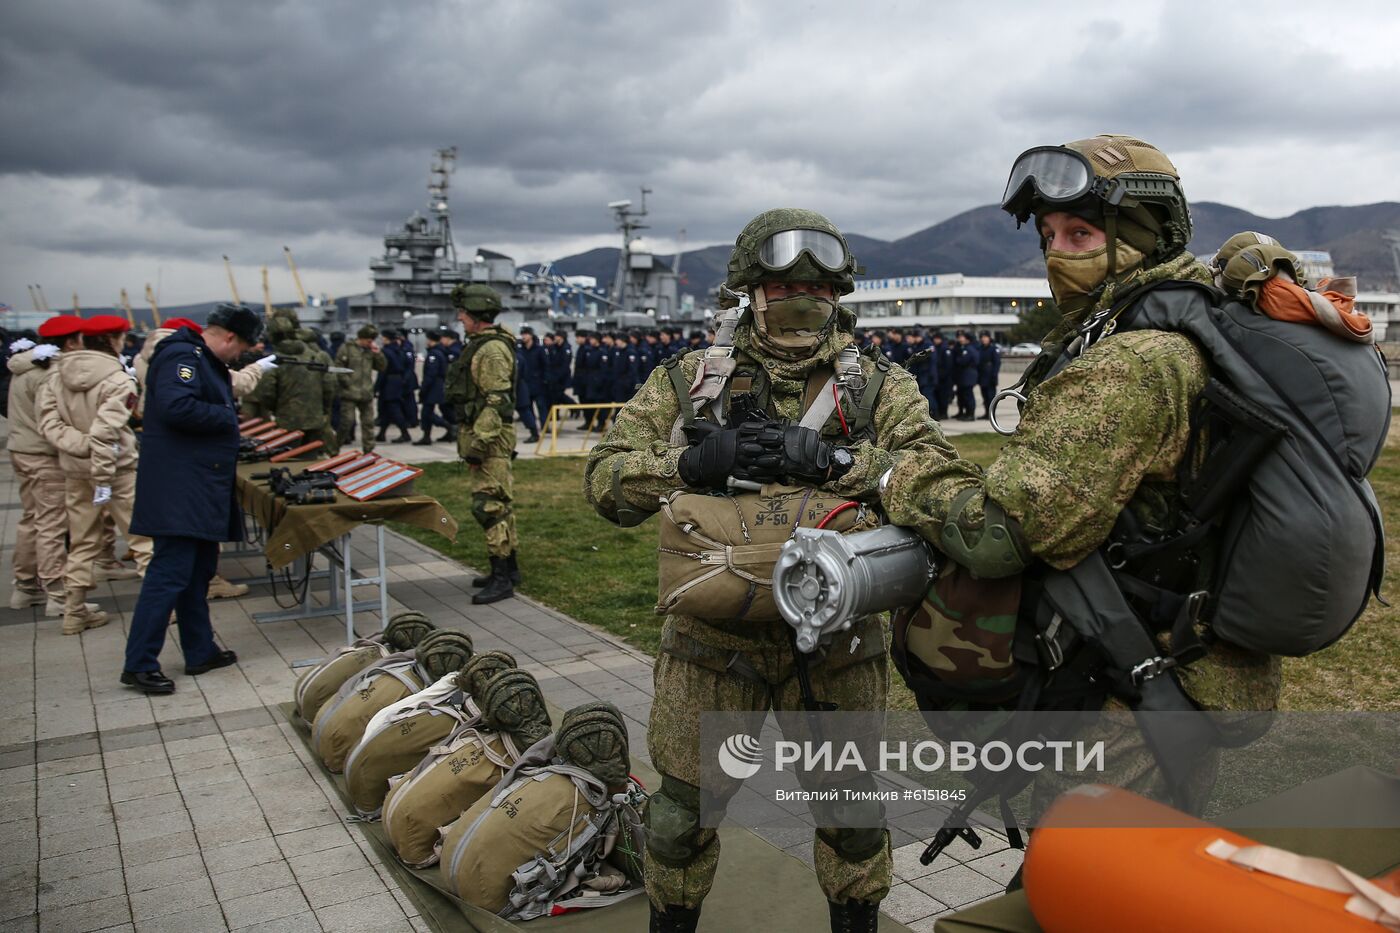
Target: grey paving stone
<point>207,919</point>
<point>264,906</point>
<point>379,912</point>
<point>241,855</point>
<point>907,903</point>
<point>155,826</point>
<point>140,789</point>
<point>68,820</point>
<point>158,848</point>
<point>156,767</point>
<point>957,885</point>
<point>999,866</point>
<point>29,923</point>
<point>144,876</point>
<point>171,898</point>
<point>18,880</point>
<point>60,868</point>
<point>347,886</point>
<point>62,766</point>
<point>92,886</point>
<point>160,805</point>
<point>241,882</point>
<point>229,831</point>
<point>146,738</point>
<point>181,748</point>
<point>82,918</point>
<point>322,864</point>
<point>297,923</point>
<point>67,747</point>
<point>77,840</point>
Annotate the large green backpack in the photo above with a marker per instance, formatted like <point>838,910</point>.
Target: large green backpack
<point>318,684</point>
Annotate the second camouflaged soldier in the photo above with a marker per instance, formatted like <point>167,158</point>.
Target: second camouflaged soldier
<point>298,397</point>
<point>793,265</point>
<point>481,388</point>
<point>357,387</point>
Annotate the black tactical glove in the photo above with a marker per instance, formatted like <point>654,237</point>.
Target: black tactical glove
<point>709,462</point>
<point>760,454</point>
<point>794,452</point>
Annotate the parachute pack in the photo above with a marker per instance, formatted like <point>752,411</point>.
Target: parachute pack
<point>563,826</point>
<point>318,684</point>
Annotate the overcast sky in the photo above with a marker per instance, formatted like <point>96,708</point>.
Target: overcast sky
<point>144,139</point>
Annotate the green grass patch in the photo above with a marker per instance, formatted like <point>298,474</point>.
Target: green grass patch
<point>578,563</point>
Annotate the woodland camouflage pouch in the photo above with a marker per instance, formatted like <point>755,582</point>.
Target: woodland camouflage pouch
<point>958,641</point>
<point>717,552</point>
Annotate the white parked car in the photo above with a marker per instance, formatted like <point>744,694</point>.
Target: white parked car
<point>1024,349</point>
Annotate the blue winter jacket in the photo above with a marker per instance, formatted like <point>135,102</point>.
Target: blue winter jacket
<point>189,445</point>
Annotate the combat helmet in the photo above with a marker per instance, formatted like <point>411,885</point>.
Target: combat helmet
<point>791,244</point>
<point>1124,186</point>
<point>593,737</point>
<point>406,629</point>
<point>367,332</point>
<point>282,328</point>
<point>480,301</point>
<point>478,672</point>
<point>444,652</point>
<point>512,703</point>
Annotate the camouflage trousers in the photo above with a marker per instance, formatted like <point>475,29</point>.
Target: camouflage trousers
<point>348,411</point>
<point>492,490</point>
<point>685,688</point>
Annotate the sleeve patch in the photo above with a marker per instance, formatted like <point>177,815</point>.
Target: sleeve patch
<point>185,372</point>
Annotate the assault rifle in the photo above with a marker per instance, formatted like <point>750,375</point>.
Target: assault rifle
<point>309,487</point>
<point>310,364</point>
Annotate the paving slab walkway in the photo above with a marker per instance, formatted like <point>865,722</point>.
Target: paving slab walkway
<point>203,811</point>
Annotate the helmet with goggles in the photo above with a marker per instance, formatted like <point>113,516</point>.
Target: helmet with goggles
<point>1122,184</point>
<point>789,244</point>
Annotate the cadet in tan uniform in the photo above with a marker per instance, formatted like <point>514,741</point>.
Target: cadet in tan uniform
<point>84,410</point>
<point>39,545</point>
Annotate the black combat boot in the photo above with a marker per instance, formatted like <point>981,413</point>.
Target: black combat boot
<point>854,916</point>
<point>450,434</point>
<point>425,440</point>
<point>674,919</point>
<point>497,585</point>
<point>404,437</point>
<point>512,570</point>
<point>383,432</point>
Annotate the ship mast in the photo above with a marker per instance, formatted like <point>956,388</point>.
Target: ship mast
<point>628,223</point>
<point>444,161</point>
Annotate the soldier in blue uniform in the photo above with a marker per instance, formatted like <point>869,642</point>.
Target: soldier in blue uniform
<point>389,387</point>
<point>451,348</point>
<point>534,372</point>
<point>560,357</point>
<point>965,358</point>
<point>926,370</point>
<point>988,369</point>
<point>430,396</point>
<point>185,497</point>
<point>943,391</point>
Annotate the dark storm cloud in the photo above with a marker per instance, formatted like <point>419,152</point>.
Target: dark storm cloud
<point>189,129</point>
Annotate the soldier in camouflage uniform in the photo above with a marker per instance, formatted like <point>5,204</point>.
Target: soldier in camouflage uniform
<point>1102,436</point>
<point>481,389</point>
<point>793,264</point>
<point>299,398</point>
<point>357,388</point>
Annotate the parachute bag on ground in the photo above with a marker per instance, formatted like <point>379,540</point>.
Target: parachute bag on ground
<point>397,740</point>
<point>320,683</point>
<point>717,552</point>
<point>450,779</point>
<point>340,723</point>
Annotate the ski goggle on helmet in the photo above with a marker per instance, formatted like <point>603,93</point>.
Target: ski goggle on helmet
<point>782,250</point>
<point>1053,175</point>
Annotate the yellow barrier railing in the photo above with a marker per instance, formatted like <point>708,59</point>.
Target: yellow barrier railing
<point>592,433</point>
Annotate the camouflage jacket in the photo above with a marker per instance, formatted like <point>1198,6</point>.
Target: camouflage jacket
<point>1104,434</point>
<point>359,385</point>
<point>299,398</point>
<point>645,444</point>
<point>485,392</point>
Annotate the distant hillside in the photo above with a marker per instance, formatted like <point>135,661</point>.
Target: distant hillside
<point>985,241</point>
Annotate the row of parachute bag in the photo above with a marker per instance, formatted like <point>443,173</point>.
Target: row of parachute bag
<point>454,751</point>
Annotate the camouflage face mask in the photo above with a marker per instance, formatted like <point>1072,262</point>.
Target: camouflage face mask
<point>793,327</point>
<point>1075,276</point>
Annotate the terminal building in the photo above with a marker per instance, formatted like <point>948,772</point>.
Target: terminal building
<point>946,302</point>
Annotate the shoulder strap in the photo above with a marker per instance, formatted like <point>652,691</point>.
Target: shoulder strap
<point>678,385</point>
<point>865,405</point>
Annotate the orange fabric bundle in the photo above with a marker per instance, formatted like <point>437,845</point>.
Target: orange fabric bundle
<point>1330,307</point>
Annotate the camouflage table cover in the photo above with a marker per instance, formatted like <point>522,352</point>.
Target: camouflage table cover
<point>297,530</point>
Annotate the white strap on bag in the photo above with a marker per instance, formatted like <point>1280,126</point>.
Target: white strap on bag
<point>1368,901</point>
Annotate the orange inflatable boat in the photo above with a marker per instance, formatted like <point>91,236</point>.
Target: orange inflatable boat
<point>1105,860</point>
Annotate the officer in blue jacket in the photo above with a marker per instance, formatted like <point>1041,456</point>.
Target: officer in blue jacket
<point>431,395</point>
<point>924,370</point>
<point>988,369</point>
<point>185,499</point>
<point>534,372</point>
<point>560,362</point>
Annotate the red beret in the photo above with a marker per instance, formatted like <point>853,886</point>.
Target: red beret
<point>61,325</point>
<point>175,323</point>
<point>104,324</point>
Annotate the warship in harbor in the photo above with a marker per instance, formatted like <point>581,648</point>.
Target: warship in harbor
<point>420,266</point>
